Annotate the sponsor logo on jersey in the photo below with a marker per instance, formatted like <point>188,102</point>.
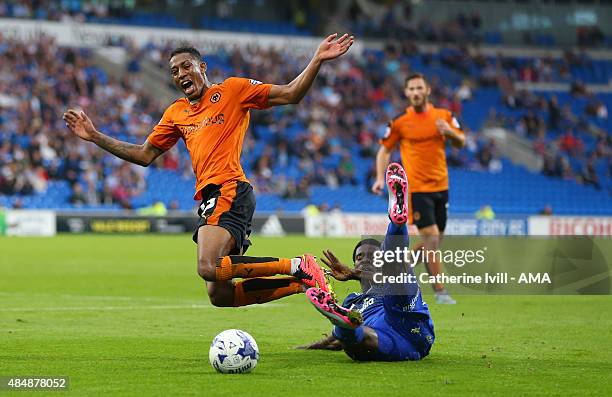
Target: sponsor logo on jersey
<point>208,121</point>
<point>366,303</point>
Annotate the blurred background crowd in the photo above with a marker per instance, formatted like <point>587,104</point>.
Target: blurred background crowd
<point>322,150</point>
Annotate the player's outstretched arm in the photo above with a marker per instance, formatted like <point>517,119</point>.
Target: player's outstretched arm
<point>382,160</point>
<point>337,269</point>
<point>330,48</point>
<point>327,343</point>
<point>80,124</point>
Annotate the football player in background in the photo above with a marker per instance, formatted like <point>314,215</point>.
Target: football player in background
<point>422,132</point>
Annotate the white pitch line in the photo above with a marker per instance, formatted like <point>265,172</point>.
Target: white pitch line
<point>130,299</point>
<point>120,308</point>
<point>88,297</point>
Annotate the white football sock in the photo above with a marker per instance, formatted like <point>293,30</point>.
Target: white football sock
<point>295,264</point>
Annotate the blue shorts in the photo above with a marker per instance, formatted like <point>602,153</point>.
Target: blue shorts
<point>403,338</point>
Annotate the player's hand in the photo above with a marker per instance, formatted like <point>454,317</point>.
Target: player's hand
<point>337,269</point>
<point>79,124</point>
<point>330,48</point>
<point>378,186</point>
<point>443,127</point>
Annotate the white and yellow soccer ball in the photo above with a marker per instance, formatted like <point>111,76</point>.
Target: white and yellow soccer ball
<point>233,352</point>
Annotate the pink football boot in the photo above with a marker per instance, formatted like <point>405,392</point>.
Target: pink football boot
<point>397,185</point>
<point>327,306</point>
<point>310,273</point>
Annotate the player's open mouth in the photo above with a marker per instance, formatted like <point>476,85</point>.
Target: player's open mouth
<point>188,87</point>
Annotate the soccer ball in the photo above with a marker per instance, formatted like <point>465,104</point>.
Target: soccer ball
<point>233,352</point>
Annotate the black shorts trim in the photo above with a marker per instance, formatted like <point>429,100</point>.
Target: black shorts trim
<point>430,208</point>
<point>261,284</point>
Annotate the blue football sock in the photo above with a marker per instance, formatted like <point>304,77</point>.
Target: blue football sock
<point>397,236</point>
<point>397,229</point>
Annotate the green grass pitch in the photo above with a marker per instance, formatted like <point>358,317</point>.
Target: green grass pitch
<point>128,315</point>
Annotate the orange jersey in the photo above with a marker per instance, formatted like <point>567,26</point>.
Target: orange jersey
<point>213,129</point>
<point>422,147</point>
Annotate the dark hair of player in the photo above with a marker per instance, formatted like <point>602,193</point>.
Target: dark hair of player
<point>186,50</point>
<point>365,241</point>
<point>414,76</point>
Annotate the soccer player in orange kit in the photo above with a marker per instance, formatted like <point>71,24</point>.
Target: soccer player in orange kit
<point>212,119</point>
<point>422,131</point>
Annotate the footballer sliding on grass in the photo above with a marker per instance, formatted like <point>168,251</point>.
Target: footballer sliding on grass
<point>383,322</point>
<point>213,119</point>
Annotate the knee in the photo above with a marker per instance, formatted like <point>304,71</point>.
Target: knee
<point>431,235</point>
<point>207,269</point>
<point>431,239</point>
<point>218,298</point>
<point>218,301</point>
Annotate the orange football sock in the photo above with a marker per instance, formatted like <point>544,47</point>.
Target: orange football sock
<point>238,266</point>
<point>264,289</point>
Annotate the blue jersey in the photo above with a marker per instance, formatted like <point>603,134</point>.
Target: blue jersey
<point>397,313</point>
<point>371,305</point>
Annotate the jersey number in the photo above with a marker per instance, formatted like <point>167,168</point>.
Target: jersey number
<point>207,207</point>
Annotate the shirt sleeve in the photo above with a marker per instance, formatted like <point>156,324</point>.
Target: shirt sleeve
<point>165,134</point>
<point>454,124</point>
<point>349,299</point>
<point>391,137</point>
<point>252,94</point>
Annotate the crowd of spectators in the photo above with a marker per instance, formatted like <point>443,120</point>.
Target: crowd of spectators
<point>391,19</point>
<point>78,11</point>
<point>343,116</point>
<point>335,128</point>
<point>502,70</point>
<point>590,36</point>
<point>558,133</point>
<point>396,20</point>
<point>38,82</point>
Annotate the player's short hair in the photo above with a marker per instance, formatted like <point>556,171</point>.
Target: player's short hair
<point>187,49</point>
<point>414,76</point>
<point>365,241</point>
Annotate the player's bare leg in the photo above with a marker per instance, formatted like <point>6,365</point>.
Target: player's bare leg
<point>215,243</point>
<point>431,242</point>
